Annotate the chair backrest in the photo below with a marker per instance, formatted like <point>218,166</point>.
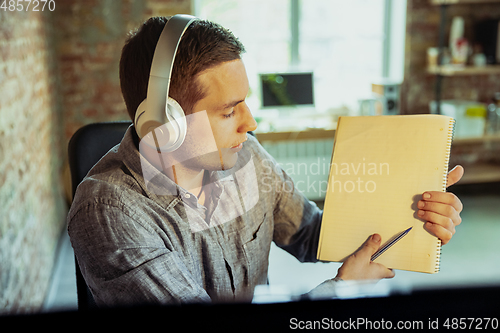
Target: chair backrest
<point>85,149</point>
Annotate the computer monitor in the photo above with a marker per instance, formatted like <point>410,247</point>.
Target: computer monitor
<point>287,89</point>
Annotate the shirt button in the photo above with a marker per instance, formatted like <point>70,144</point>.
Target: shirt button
<point>187,195</point>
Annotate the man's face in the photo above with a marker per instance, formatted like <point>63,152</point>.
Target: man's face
<point>215,142</point>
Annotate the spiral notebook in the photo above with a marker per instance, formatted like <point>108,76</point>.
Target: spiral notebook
<point>380,167</point>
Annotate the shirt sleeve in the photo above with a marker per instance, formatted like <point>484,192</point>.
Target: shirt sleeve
<point>331,288</point>
<point>126,262</point>
<point>297,220</point>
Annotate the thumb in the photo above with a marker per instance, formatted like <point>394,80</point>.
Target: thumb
<point>454,175</point>
<point>371,245</point>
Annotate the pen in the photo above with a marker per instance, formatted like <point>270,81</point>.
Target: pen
<point>394,240</point>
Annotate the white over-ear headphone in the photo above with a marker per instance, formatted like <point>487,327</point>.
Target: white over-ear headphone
<point>159,119</point>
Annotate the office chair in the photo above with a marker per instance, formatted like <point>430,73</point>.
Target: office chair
<point>85,149</point>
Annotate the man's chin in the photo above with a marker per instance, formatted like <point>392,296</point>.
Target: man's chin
<point>228,158</point>
<point>216,161</point>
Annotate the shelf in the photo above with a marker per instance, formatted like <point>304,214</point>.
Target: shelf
<point>456,2</point>
<point>476,140</point>
<point>450,70</point>
<point>480,173</point>
<point>296,135</point>
<point>330,134</point>
<point>475,173</point>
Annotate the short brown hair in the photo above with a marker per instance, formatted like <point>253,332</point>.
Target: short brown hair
<point>204,44</point>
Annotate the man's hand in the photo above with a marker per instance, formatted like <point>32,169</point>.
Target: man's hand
<point>442,210</point>
<point>358,266</point>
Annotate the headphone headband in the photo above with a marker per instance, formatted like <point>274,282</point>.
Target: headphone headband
<point>152,111</point>
<point>166,49</point>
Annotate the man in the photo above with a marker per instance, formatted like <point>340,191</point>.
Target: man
<point>196,225</point>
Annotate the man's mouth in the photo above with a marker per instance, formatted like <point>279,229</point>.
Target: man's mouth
<point>239,145</point>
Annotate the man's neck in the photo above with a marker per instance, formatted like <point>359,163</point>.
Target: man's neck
<point>189,179</point>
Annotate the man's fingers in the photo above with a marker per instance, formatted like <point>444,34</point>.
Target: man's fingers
<point>447,198</point>
<point>439,220</point>
<point>437,212</point>
<point>387,273</point>
<point>371,245</point>
<point>439,231</point>
<point>454,175</point>
<point>359,266</point>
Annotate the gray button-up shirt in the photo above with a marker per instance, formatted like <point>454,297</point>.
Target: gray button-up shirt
<point>140,238</point>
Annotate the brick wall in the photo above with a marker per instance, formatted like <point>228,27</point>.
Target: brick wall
<point>90,35</point>
<point>58,72</point>
<point>32,209</point>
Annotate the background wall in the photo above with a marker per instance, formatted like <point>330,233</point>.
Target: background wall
<point>31,206</point>
<point>422,28</point>
<point>89,38</point>
<point>58,72</point>
<point>418,88</point>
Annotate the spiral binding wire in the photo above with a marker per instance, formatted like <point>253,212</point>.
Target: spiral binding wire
<point>438,257</point>
<point>451,132</point>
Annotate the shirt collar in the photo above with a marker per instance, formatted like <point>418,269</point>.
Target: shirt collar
<point>154,182</point>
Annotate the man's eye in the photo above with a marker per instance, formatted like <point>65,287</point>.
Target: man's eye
<point>229,115</point>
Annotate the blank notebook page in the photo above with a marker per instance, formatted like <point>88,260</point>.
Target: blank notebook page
<point>380,167</point>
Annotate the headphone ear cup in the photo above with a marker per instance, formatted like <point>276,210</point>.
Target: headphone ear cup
<point>151,131</point>
<point>142,124</point>
<point>176,124</point>
<point>165,137</point>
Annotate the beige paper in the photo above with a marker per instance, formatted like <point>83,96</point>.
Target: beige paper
<point>380,167</point>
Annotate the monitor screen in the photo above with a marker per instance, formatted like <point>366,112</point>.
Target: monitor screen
<point>287,89</point>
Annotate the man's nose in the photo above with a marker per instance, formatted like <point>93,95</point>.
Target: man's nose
<point>248,123</point>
